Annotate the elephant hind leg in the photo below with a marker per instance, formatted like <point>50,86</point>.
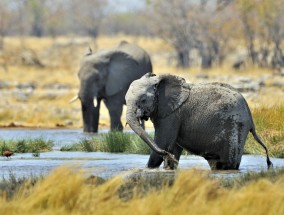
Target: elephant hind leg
<point>115,111</point>
<point>213,164</point>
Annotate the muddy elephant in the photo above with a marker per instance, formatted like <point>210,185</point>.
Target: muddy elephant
<point>211,120</point>
<point>106,75</point>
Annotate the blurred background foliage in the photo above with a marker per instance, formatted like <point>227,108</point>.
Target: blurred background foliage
<point>214,30</point>
<point>239,42</point>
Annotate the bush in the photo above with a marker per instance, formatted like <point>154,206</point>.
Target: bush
<point>116,141</point>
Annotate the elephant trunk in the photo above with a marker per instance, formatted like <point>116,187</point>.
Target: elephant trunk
<point>136,127</point>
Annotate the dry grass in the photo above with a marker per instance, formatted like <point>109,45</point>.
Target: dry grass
<point>65,191</point>
<point>61,57</point>
<point>270,127</point>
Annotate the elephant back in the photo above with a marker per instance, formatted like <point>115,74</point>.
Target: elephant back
<point>128,63</point>
<point>138,54</point>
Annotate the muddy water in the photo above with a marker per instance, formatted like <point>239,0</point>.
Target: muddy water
<point>101,164</point>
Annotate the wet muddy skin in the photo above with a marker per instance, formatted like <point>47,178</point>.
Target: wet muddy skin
<point>102,164</point>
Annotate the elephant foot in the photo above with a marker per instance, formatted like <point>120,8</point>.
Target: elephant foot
<point>217,165</point>
<point>169,164</point>
<point>117,127</point>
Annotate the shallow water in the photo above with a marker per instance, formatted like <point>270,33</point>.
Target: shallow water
<point>101,164</point>
<point>61,137</point>
<point>107,165</point>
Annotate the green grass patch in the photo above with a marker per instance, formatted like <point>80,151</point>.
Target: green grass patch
<point>34,146</point>
<point>115,142</point>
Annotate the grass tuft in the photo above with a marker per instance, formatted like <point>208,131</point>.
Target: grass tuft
<point>35,146</point>
<point>115,142</point>
<point>87,145</point>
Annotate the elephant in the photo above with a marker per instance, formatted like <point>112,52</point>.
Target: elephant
<point>211,120</point>
<point>106,75</point>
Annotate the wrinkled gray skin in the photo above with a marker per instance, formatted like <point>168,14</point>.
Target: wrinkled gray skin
<point>211,120</point>
<point>106,75</point>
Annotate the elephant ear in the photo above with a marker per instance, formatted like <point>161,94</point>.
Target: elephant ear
<point>122,70</point>
<point>172,91</point>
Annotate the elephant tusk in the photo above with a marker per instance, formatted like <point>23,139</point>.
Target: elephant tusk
<point>95,102</point>
<point>74,99</point>
<point>140,121</point>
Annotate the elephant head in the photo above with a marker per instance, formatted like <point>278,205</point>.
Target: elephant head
<point>106,74</point>
<point>93,75</point>
<point>154,96</point>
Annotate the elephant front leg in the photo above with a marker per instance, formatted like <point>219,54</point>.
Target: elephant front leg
<point>155,160</point>
<point>169,163</point>
<point>90,116</point>
<point>166,138</point>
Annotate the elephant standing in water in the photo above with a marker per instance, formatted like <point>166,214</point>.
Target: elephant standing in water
<point>106,75</point>
<point>211,120</point>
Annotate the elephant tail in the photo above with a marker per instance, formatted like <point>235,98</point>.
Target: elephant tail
<point>269,163</point>
<point>252,130</point>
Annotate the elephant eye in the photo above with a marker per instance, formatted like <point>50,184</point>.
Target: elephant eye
<point>143,101</point>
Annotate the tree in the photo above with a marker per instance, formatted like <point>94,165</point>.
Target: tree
<point>174,22</point>
<point>5,21</point>
<point>56,16</point>
<point>37,10</point>
<point>263,30</point>
<point>215,30</point>
<point>189,25</point>
<point>88,15</point>
<point>271,15</point>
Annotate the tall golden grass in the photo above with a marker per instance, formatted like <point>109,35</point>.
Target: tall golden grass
<point>269,125</point>
<point>65,191</point>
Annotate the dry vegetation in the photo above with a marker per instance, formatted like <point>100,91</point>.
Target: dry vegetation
<point>55,83</point>
<point>66,192</point>
<point>37,96</point>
